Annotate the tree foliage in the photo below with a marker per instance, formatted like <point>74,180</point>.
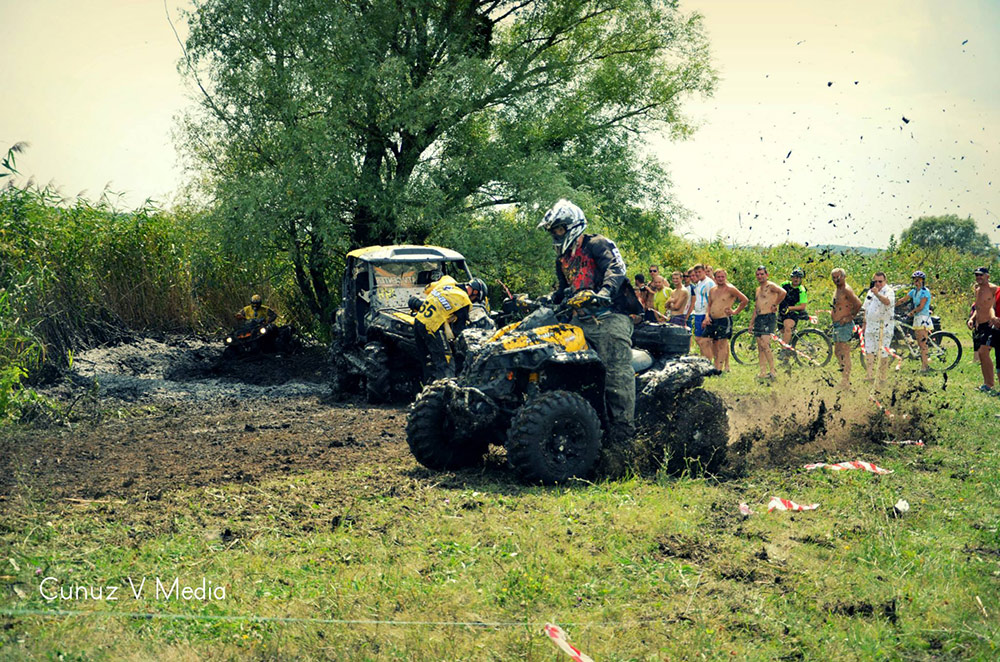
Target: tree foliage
<point>948,231</point>
<point>325,125</point>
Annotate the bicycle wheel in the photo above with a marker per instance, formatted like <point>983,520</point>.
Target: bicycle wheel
<point>813,343</point>
<point>743,347</point>
<point>944,351</point>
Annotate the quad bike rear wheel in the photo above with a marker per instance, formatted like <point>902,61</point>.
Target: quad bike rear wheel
<point>378,387</point>
<point>432,435</point>
<point>554,437</point>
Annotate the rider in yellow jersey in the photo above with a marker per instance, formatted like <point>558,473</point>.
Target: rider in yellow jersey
<point>257,310</point>
<point>441,317</point>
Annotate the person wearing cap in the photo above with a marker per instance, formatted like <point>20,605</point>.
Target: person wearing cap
<point>792,309</point>
<point>879,306</point>
<point>439,319</point>
<point>986,326</point>
<point>923,325</point>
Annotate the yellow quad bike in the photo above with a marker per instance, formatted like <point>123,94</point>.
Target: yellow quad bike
<point>536,388</point>
<point>373,349</point>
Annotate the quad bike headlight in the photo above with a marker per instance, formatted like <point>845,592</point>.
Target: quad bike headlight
<point>263,330</point>
<point>229,340</point>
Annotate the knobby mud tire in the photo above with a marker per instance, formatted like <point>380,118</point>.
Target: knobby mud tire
<point>553,438</point>
<point>378,383</point>
<point>432,437</point>
<point>693,438</point>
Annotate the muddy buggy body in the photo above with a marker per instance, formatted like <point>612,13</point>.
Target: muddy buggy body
<point>258,336</point>
<point>373,347</point>
<point>536,388</point>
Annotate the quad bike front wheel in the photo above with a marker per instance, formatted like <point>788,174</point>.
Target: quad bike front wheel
<point>433,436</point>
<point>554,437</point>
<point>692,435</point>
<point>378,387</point>
<point>699,435</point>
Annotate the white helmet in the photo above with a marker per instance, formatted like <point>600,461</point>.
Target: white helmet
<point>564,213</point>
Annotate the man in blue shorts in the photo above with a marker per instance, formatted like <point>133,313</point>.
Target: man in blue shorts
<point>764,320</point>
<point>702,285</point>
<point>846,305</point>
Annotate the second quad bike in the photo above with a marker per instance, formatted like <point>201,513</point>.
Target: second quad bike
<point>536,388</point>
<point>257,336</point>
<point>373,347</point>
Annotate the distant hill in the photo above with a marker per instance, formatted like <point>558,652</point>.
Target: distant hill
<point>838,248</point>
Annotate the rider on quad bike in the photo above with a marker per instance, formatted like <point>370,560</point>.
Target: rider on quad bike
<point>257,310</point>
<point>258,332</point>
<point>589,266</point>
<point>440,318</point>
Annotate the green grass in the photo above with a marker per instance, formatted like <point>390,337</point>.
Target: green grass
<point>633,570</point>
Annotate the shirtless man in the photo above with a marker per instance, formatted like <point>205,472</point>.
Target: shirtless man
<point>678,302</point>
<point>719,320</point>
<point>846,305</point>
<point>986,326</point>
<point>764,320</point>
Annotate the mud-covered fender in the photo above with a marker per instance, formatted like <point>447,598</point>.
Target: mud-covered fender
<point>469,408</point>
<point>660,386</point>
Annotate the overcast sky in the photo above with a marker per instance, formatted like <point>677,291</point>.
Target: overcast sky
<point>804,138</point>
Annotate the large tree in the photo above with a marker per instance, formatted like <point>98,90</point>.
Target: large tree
<point>326,124</point>
<point>947,231</point>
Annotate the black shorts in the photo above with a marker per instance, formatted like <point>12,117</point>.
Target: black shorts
<point>797,315</point>
<point>721,328</point>
<point>986,335</point>
<point>764,325</point>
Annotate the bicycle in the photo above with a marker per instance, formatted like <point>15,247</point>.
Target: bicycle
<point>810,346</point>
<point>944,349</point>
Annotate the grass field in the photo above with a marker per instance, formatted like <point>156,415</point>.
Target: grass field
<point>380,559</point>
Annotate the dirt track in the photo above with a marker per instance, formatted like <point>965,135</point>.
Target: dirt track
<point>167,414</point>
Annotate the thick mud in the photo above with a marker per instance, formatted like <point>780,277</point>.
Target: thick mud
<point>153,415</point>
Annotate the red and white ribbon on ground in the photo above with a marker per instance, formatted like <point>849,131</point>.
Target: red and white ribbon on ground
<point>558,637</point>
<point>883,407</point>
<point>847,466</point>
<point>861,337</point>
<point>777,503</point>
<point>745,510</point>
<point>781,342</point>
<point>905,442</point>
<point>899,359</point>
<point>813,319</point>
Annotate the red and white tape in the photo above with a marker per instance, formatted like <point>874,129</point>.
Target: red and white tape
<point>883,407</point>
<point>905,442</point>
<point>777,503</point>
<point>558,637</point>
<point>745,510</point>
<point>847,466</point>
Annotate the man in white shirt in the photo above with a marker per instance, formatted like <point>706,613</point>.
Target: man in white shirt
<point>699,306</point>
<point>879,306</point>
